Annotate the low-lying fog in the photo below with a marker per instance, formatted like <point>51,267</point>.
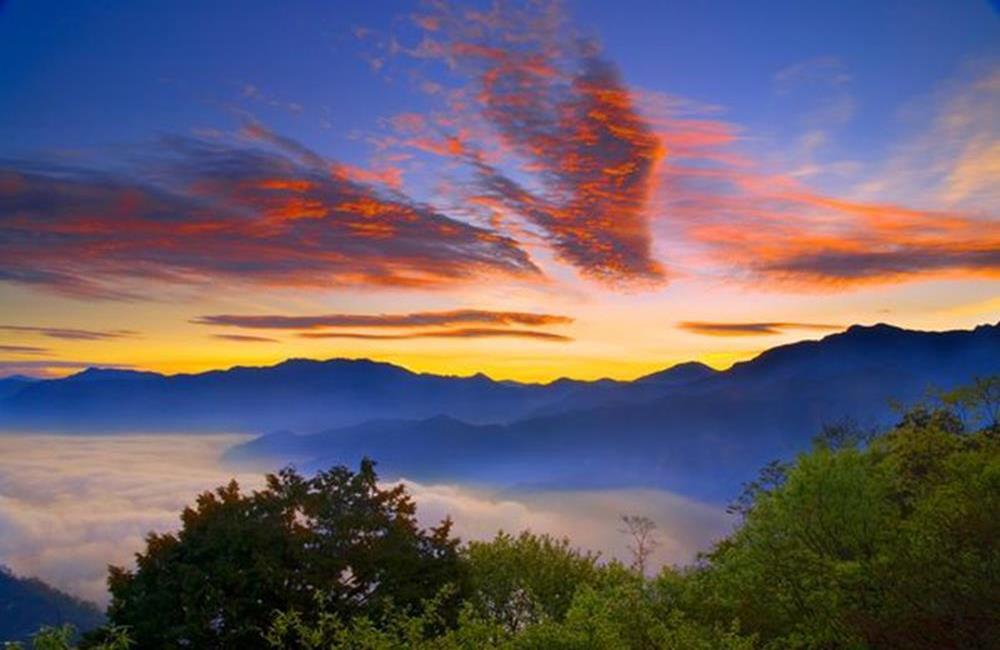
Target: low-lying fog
<point>71,505</point>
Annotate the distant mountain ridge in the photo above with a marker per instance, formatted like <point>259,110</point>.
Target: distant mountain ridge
<point>298,393</point>
<point>700,437</point>
<point>26,604</point>
<point>688,428</point>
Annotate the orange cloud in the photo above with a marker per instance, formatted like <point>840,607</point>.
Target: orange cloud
<point>594,159</point>
<point>461,333</point>
<point>243,338</point>
<point>541,100</point>
<point>23,349</point>
<point>749,329</point>
<point>805,240</point>
<point>415,319</point>
<point>68,333</point>
<point>273,214</point>
<point>773,230</point>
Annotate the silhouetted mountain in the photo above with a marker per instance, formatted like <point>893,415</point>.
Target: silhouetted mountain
<point>14,383</point>
<point>644,388</point>
<point>26,604</point>
<point>687,428</point>
<point>298,393</point>
<point>702,437</point>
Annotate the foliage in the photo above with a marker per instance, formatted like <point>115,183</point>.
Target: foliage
<point>61,638</point>
<point>891,545</point>
<point>866,541</point>
<point>641,531</point>
<point>28,603</point>
<point>519,581</point>
<point>238,558</point>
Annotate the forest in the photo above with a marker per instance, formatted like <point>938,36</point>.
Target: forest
<point>870,539</point>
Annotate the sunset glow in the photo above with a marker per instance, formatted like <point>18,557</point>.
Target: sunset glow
<point>496,160</point>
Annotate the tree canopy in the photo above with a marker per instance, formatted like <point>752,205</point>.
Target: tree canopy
<point>239,558</point>
<point>868,540</point>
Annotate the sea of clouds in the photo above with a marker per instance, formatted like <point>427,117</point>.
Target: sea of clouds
<point>72,505</point>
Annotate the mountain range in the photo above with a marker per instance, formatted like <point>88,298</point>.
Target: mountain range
<point>26,604</point>
<point>688,428</point>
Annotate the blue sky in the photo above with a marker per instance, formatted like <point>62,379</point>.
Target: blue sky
<point>587,163</point>
<point>98,73</point>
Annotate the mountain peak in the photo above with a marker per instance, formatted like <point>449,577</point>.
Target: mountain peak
<point>877,328</point>
<point>97,373</point>
<point>681,372</point>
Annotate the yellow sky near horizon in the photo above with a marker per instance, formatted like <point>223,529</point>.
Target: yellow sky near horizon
<point>621,336</point>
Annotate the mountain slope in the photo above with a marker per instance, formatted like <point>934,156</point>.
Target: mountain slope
<point>701,438</point>
<point>26,604</point>
<point>298,393</point>
<point>13,384</point>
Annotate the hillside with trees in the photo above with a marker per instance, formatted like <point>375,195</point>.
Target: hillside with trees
<point>27,603</point>
<point>880,539</point>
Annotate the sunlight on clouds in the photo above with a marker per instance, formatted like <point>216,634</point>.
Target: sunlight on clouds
<point>69,506</point>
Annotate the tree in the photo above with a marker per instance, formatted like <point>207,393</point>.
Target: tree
<point>642,531</point>
<point>889,544</point>
<point>517,581</point>
<point>240,557</point>
<point>61,638</point>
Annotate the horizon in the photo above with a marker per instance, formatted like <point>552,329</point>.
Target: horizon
<point>418,371</point>
<point>693,286</point>
<point>508,188</point>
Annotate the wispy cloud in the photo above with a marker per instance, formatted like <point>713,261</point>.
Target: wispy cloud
<point>536,143</point>
<point>771,230</point>
<point>460,333</point>
<point>954,159</point>
<point>563,152</point>
<point>23,349</point>
<point>750,329</point>
<point>270,213</point>
<point>413,319</point>
<point>244,338</point>
<point>564,119</point>
<point>70,333</point>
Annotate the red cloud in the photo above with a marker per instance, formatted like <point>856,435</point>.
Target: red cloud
<point>460,333</point>
<point>243,338</point>
<point>415,319</point>
<point>69,333</point>
<point>556,138</point>
<point>550,103</point>
<point>777,231</point>
<point>275,214</point>
<point>749,329</point>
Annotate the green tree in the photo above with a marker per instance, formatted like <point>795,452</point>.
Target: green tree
<point>239,557</point>
<point>881,542</point>
<point>61,638</point>
<point>518,581</point>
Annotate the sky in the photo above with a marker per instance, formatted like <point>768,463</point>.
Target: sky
<point>529,190</point>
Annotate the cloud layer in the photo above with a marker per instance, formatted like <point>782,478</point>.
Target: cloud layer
<point>750,329</point>
<point>413,319</point>
<point>71,334</point>
<point>554,138</point>
<point>265,212</point>
<point>542,105</point>
<point>66,516</point>
<point>527,140</point>
<point>458,333</point>
<point>450,324</point>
